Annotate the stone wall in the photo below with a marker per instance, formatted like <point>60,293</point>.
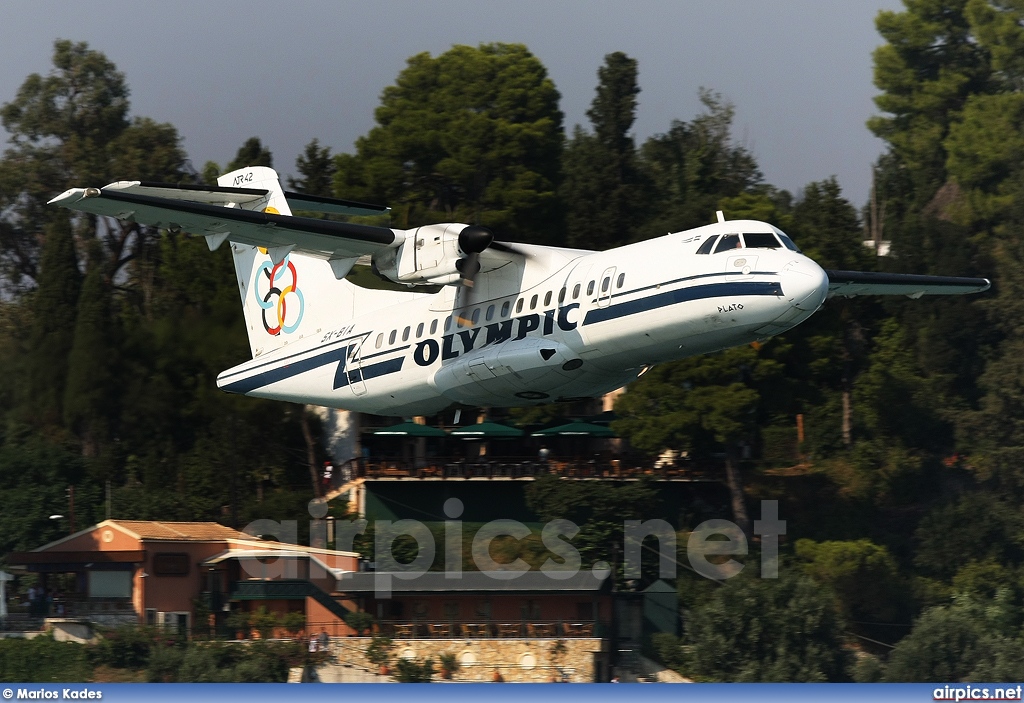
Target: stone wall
<point>523,660</point>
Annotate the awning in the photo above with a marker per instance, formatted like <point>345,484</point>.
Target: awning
<point>96,557</point>
<point>577,428</point>
<point>487,430</point>
<point>411,429</point>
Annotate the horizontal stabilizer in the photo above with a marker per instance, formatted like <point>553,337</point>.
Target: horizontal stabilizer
<point>332,206</point>
<point>212,211</point>
<point>851,283</point>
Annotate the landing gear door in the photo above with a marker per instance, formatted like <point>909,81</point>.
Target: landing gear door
<point>604,287</point>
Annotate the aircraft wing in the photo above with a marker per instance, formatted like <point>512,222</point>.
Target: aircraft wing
<point>219,213</point>
<point>851,283</point>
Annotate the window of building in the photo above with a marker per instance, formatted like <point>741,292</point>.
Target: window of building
<point>165,564</point>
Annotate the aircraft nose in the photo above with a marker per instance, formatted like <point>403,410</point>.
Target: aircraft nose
<point>805,284</point>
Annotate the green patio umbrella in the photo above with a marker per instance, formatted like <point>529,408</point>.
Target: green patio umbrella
<point>576,429</point>
<point>411,429</point>
<point>487,430</point>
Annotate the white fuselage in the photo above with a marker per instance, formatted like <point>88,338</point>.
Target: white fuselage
<point>555,325</point>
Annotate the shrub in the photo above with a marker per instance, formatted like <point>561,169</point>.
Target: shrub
<point>379,651</point>
<point>359,621</point>
<point>414,671</point>
<point>43,660</point>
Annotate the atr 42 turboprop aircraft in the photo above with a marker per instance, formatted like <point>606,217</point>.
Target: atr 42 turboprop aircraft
<point>482,323</point>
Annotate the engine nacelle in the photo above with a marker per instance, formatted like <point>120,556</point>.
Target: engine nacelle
<point>428,256</point>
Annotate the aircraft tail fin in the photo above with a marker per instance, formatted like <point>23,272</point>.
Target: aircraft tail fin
<point>275,284</point>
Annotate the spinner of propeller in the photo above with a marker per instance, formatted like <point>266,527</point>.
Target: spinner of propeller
<point>472,241</point>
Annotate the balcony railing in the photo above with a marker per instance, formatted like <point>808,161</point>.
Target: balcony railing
<point>490,629</point>
<point>513,468</point>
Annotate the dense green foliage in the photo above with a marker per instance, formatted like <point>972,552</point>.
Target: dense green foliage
<point>43,660</point>
<point>903,500</point>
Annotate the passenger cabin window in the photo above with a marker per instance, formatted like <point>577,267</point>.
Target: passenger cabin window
<point>519,305</point>
<point>576,291</point>
<point>447,323</point>
<point>405,334</point>
<point>380,340</point>
<point>504,308</point>
<point>547,298</point>
<point>705,248</point>
<point>561,296</point>
<point>590,288</point>
<point>476,316</point>
<point>622,279</point>
<point>419,330</point>
<point>533,302</point>
<point>760,240</point>
<point>433,326</point>
<point>727,242</point>
<point>490,313</point>
<point>605,283</point>
<point>391,339</point>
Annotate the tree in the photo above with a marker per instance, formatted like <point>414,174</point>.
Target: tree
<point>765,630</point>
<point>701,403</point>
<point>473,135</point>
<point>693,166</point>
<point>317,168</point>
<point>54,306</point>
<point>863,575</point>
<point>252,153</point>
<point>90,395</point>
<point>71,128</point>
<point>602,183</point>
<point>927,68</point>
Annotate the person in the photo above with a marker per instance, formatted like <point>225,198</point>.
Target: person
<point>328,474</point>
<point>325,640</point>
<point>313,648</point>
<point>544,454</point>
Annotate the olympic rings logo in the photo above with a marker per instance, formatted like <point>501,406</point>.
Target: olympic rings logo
<point>275,300</point>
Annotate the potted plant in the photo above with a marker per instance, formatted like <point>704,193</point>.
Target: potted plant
<point>449,665</point>
<point>378,652</point>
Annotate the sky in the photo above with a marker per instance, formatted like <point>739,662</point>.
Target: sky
<point>799,72</point>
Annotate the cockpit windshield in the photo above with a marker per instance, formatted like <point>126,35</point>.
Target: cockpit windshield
<point>747,240</point>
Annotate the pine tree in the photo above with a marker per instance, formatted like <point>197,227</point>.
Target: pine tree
<point>601,185</point>
<point>54,308</point>
<point>90,394</point>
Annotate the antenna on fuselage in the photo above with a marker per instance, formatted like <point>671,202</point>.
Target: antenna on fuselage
<point>720,215</point>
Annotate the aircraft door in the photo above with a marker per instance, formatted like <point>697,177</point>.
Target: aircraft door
<point>355,368</point>
<point>604,287</point>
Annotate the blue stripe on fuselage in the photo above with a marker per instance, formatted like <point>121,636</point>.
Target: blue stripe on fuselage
<point>682,295</point>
